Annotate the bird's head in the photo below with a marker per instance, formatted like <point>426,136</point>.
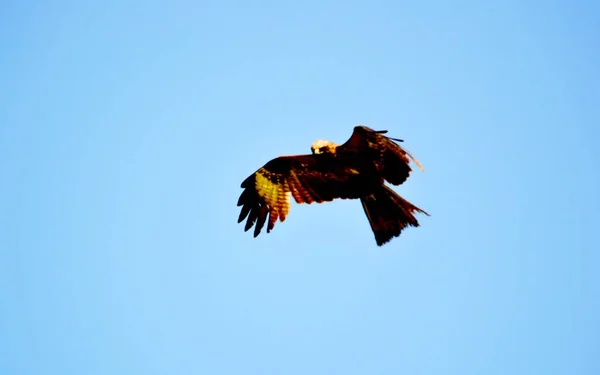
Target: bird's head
<point>323,147</point>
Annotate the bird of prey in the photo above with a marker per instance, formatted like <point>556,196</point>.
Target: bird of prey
<point>356,169</point>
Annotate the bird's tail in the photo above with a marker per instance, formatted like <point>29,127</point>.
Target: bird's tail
<point>389,214</point>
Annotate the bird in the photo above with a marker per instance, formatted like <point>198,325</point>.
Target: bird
<point>356,169</point>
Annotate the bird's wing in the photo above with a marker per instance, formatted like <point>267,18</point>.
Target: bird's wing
<point>307,178</point>
<point>390,159</point>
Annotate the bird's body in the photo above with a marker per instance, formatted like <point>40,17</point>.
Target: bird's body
<point>356,169</point>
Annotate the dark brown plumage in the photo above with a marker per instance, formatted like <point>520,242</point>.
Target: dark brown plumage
<point>356,169</point>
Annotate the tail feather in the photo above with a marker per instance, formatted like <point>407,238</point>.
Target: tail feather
<point>389,214</point>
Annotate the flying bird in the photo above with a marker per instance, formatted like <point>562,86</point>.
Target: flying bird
<point>356,169</point>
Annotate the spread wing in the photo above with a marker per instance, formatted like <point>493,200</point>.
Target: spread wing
<point>307,178</point>
<point>391,160</point>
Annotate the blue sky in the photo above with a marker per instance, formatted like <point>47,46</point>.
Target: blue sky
<point>127,127</point>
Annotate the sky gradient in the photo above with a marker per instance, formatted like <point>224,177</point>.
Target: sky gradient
<point>127,127</point>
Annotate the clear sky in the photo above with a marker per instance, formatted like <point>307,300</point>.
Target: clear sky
<point>126,128</point>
